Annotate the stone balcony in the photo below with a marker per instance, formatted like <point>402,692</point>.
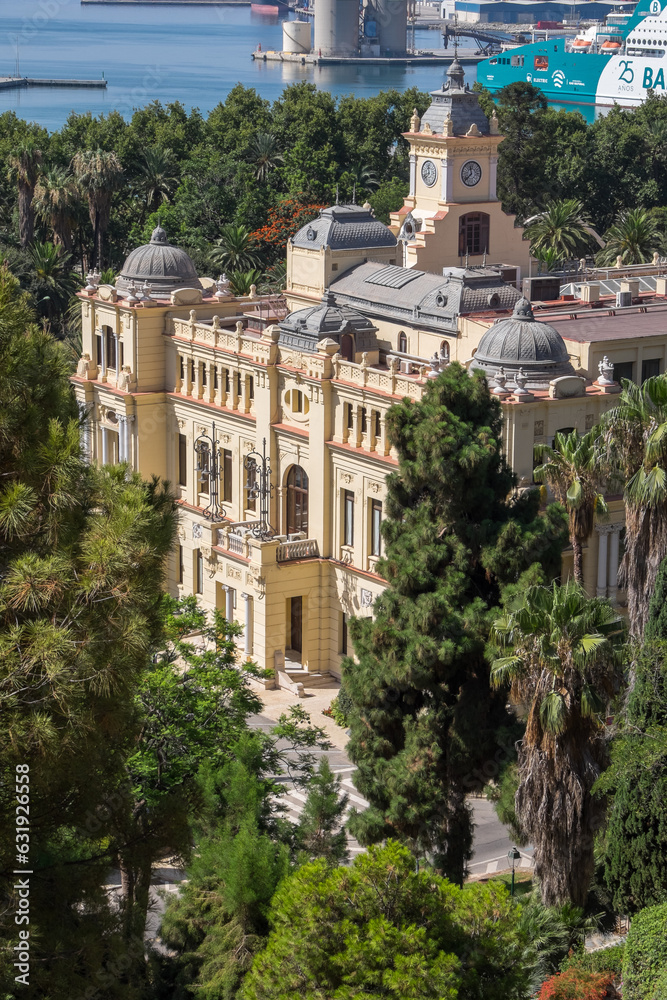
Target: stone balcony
<point>238,540</point>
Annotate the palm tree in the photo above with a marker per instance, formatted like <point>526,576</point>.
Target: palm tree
<point>364,176</point>
<point>634,236</point>
<point>563,665</point>
<point>240,281</point>
<point>572,469</point>
<point>24,165</point>
<point>158,178</point>
<point>635,436</point>
<point>265,155</point>
<point>563,226</point>
<point>56,197</point>
<point>52,281</point>
<point>99,174</point>
<point>235,250</point>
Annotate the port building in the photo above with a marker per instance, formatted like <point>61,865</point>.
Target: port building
<point>525,11</point>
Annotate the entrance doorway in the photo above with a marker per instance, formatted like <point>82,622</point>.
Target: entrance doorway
<point>296,624</point>
<point>297,500</point>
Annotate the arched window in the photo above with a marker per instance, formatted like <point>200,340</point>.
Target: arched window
<point>444,351</point>
<point>473,233</point>
<point>297,500</point>
<point>347,347</point>
<point>402,343</point>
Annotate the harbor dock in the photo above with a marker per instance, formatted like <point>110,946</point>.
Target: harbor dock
<point>13,82</point>
<point>436,58</point>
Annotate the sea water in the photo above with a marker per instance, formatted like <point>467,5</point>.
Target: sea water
<point>186,53</point>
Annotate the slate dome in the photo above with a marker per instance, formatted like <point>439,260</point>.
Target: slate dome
<point>164,266</point>
<point>523,342</point>
<point>305,328</point>
<point>344,227</point>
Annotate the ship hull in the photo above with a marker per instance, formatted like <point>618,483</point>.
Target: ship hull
<point>570,77</point>
<point>270,6</point>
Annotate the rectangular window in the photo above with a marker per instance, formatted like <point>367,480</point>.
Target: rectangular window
<point>349,419</point>
<point>343,633</point>
<point>650,368</point>
<point>238,383</point>
<point>111,350</point>
<point>251,387</point>
<point>227,386</point>
<point>182,460</point>
<point>98,349</point>
<point>250,501</point>
<point>364,422</point>
<point>226,476</point>
<point>376,521</point>
<point>199,587</point>
<point>122,353</point>
<point>348,517</point>
<point>181,566</point>
<point>204,375</point>
<point>204,471</point>
<point>378,423</point>
<point>192,372</point>
<point>624,370</point>
<point>216,380</point>
<point>182,359</point>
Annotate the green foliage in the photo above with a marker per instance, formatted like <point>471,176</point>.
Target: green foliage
<point>577,984</point>
<point>603,960</point>
<point>645,960</point>
<point>503,795</point>
<point>319,834</point>
<point>422,718</point>
<point>381,929</point>
<point>634,237</point>
<point>81,553</point>
<point>337,713</point>
<point>388,197</point>
<point>656,626</point>
<point>636,843</point>
<point>562,228</point>
<point>562,659</point>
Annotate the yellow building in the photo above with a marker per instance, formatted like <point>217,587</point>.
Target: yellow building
<point>181,379</point>
<point>452,214</point>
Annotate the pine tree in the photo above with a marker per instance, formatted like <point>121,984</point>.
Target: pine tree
<point>81,559</point>
<point>318,834</point>
<point>423,718</point>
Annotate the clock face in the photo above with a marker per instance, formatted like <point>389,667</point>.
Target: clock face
<point>471,173</point>
<point>429,173</point>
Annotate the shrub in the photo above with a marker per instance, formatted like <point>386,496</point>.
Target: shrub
<point>335,712</point>
<point>604,960</point>
<point>645,961</point>
<point>577,984</point>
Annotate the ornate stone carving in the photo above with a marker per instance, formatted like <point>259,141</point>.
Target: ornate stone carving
<point>197,531</point>
<point>538,428</point>
<point>83,366</point>
<point>365,598</point>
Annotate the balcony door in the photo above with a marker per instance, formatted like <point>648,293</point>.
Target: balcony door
<point>297,501</point>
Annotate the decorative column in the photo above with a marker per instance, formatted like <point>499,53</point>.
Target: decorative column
<point>447,179</point>
<point>121,438</point>
<point>248,624</point>
<point>116,340</point>
<point>603,532</point>
<point>229,602</point>
<point>210,381</point>
<point>356,426</point>
<point>384,443</point>
<point>413,174</point>
<point>198,391</point>
<point>613,562</point>
<point>105,447</point>
<point>128,439</point>
<point>103,339</point>
<point>493,174</point>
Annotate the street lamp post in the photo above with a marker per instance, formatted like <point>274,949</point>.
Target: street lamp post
<point>259,487</point>
<point>513,856</point>
<point>207,452</point>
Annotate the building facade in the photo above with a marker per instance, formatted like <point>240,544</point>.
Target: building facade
<point>181,379</point>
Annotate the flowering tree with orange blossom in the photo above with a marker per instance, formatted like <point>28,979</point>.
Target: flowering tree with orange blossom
<point>578,984</point>
<point>283,221</point>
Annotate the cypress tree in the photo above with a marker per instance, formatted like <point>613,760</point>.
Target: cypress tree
<point>636,845</point>
<point>319,834</point>
<point>423,718</point>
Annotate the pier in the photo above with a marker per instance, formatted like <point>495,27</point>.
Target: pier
<point>435,58</point>
<point>14,82</point>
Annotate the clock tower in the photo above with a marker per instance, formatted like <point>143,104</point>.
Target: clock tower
<point>452,213</point>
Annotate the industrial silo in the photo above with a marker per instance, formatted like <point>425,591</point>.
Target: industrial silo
<point>337,28</point>
<point>296,37</point>
<point>392,26</point>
